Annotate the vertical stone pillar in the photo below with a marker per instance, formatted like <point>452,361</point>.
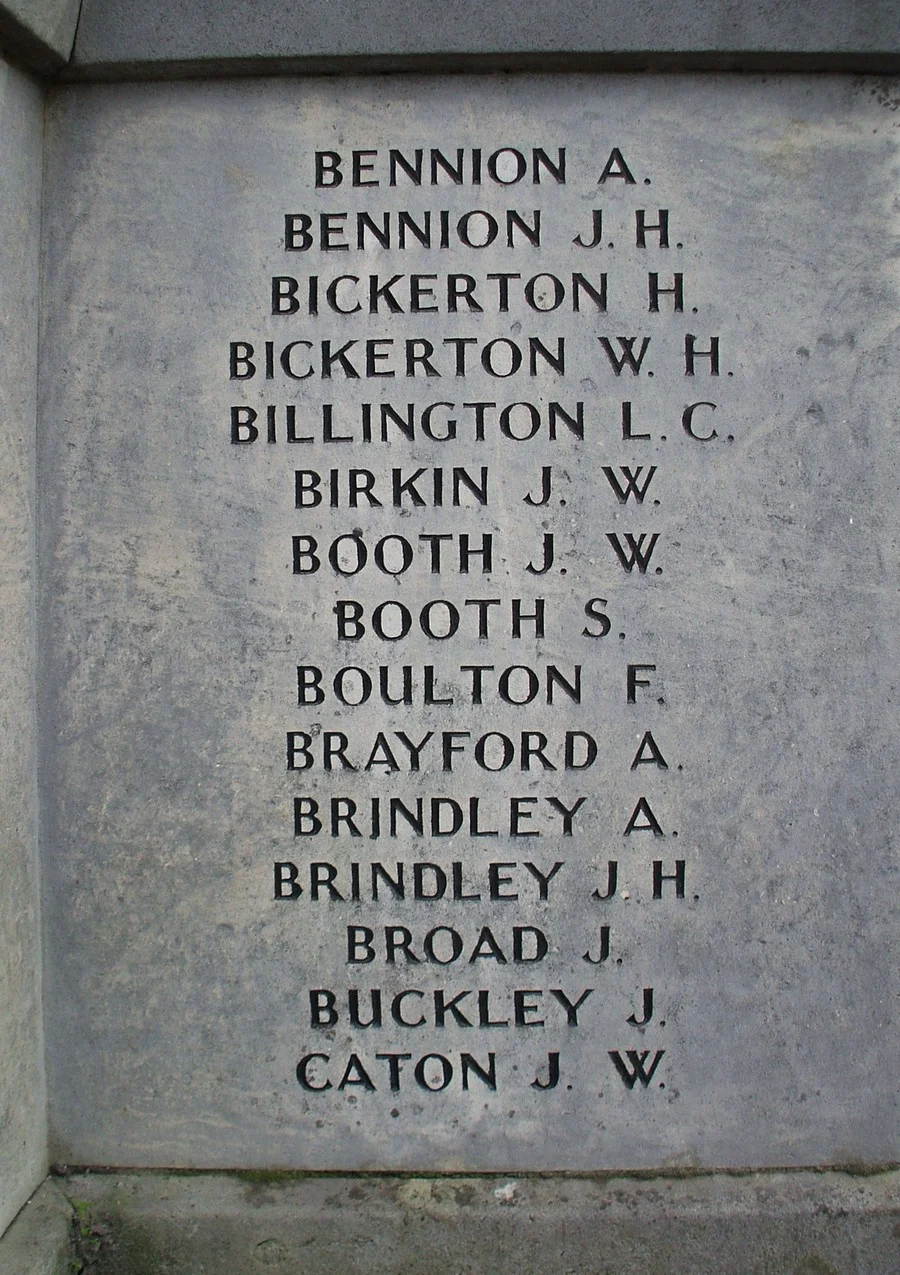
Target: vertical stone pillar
<point>22,1091</point>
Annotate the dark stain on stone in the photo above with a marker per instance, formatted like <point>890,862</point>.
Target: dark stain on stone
<point>814,1265</point>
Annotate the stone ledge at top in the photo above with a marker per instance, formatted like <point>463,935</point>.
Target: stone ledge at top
<point>119,38</point>
<point>39,33</point>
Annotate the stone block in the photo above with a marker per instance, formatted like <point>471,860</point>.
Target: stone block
<point>468,627</point>
<point>126,36</point>
<point>759,1224</point>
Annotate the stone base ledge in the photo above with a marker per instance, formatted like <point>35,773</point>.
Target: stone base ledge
<point>772,1223</point>
<point>37,1242</point>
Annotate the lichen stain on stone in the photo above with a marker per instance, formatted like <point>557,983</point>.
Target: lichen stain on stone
<point>688,1159</point>
<point>792,154</point>
<point>435,1199</point>
<point>240,178</point>
<point>815,1265</point>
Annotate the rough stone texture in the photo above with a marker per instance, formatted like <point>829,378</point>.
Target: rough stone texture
<point>37,1243</point>
<point>719,33</point>
<point>40,32</point>
<point>177,987</point>
<point>22,1094</point>
<point>763,1224</point>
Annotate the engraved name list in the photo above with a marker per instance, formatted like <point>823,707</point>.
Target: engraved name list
<point>486,376</point>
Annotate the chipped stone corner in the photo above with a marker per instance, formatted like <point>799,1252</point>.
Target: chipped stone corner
<point>38,1241</point>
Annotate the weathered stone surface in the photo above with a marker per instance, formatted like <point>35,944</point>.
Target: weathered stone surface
<point>22,1094</point>
<point>37,1243</point>
<point>176,609</point>
<point>760,1224</point>
<point>200,36</point>
<point>40,31</point>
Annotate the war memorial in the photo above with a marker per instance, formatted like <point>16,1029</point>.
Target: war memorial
<point>450,638</point>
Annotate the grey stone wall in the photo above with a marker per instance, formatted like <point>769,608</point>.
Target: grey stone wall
<point>182,991</point>
<point>22,1108</point>
<point>118,39</point>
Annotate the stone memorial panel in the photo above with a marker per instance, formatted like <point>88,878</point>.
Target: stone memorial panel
<point>468,509</point>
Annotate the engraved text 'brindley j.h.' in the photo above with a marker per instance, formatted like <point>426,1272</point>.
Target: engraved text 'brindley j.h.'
<point>335,555</point>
